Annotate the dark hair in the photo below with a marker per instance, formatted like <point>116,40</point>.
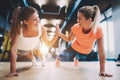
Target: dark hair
<point>20,14</point>
<point>92,12</point>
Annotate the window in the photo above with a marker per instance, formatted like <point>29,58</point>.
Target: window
<point>107,27</point>
<point>108,13</point>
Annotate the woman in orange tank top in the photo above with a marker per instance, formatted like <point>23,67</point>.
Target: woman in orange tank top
<point>84,34</point>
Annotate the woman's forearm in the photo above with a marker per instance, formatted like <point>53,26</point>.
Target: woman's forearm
<point>64,37</point>
<point>45,38</point>
<point>13,58</point>
<point>101,53</point>
<point>102,62</point>
<point>51,42</point>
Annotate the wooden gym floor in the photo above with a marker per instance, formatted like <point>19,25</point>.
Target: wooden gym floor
<point>66,71</point>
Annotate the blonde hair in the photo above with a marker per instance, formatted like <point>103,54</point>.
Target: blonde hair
<point>92,12</point>
<point>19,15</point>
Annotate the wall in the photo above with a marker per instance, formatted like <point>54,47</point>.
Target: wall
<point>2,23</point>
<point>116,24</point>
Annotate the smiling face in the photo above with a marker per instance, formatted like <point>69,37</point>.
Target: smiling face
<point>33,20</point>
<point>84,23</point>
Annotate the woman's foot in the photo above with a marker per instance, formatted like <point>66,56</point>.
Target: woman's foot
<point>76,62</point>
<point>57,62</point>
<point>34,62</point>
<point>43,64</point>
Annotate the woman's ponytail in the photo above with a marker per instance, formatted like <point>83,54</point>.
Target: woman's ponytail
<point>96,15</point>
<point>15,23</point>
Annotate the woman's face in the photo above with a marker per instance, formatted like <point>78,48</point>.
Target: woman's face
<point>33,20</point>
<point>83,22</point>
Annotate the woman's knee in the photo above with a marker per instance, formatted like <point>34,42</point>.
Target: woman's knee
<point>30,55</point>
<point>37,53</point>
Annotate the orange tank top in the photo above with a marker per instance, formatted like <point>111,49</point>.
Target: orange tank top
<point>84,43</point>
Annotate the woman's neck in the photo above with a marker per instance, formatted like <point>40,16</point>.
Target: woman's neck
<point>86,28</point>
<point>29,28</point>
<point>86,31</point>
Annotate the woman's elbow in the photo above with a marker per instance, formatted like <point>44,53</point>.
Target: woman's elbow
<point>13,51</point>
<point>69,39</point>
<point>102,54</point>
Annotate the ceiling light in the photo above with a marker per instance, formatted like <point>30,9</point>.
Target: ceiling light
<point>52,29</point>
<point>61,3</point>
<point>43,21</point>
<point>55,22</point>
<point>41,2</point>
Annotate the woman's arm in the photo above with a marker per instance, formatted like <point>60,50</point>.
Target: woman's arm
<point>68,38</point>
<point>101,54</point>
<point>102,58</point>
<point>13,58</point>
<point>45,39</point>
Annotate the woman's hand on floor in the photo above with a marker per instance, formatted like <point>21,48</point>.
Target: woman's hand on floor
<point>105,74</point>
<point>13,74</point>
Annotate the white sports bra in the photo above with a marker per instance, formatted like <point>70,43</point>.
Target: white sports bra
<point>28,43</point>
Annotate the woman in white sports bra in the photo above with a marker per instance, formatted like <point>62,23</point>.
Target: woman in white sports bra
<point>25,34</point>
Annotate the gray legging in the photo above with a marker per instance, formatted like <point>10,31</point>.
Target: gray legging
<point>70,53</point>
